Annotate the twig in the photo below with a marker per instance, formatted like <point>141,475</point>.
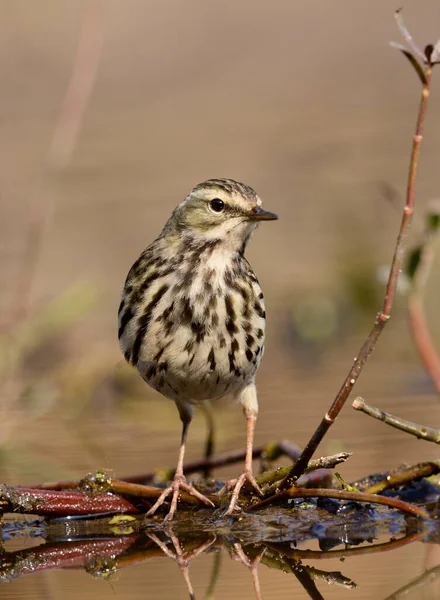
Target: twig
<point>307,581</point>
<point>214,578</point>
<point>227,458</point>
<point>326,462</point>
<point>269,452</point>
<point>304,576</point>
<point>404,475</point>
<point>423,339</point>
<point>321,478</point>
<point>115,497</point>
<point>295,492</point>
<point>151,492</point>
<point>286,549</point>
<point>100,482</point>
<point>383,317</point>
<point>420,431</point>
<point>331,578</point>
<point>419,267</point>
<point>81,84</point>
<point>41,214</point>
<point>418,583</point>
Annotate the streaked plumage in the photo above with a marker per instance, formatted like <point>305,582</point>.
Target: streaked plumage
<point>192,315</point>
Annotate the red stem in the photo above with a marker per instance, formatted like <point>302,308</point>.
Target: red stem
<point>382,318</point>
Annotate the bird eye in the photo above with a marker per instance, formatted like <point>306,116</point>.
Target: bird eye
<point>217,205</point>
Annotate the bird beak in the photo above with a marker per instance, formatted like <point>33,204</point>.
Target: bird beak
<point>260,214</point>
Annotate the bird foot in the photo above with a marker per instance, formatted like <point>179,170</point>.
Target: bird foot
<point>179,483</point>
<point>252,565</point>
<point>238,483</point>
<point>183,559</point>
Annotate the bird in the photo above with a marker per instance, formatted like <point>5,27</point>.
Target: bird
<point>192,316</point>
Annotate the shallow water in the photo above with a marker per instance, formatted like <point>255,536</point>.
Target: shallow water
<point>315,550</point>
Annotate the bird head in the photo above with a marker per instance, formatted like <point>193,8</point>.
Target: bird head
<point>221,209</point>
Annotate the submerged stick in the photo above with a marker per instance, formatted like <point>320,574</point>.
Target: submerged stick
<point>404,475</point>
<point>295,492</point>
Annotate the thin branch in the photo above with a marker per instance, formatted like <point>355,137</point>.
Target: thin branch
<point>404,475</point>
<point>331,578</point>
<point>425,255</point>
<point>295,492</point>
<point>326,462</point>
<point>81,83</point>
<point>269,452</point>
<point>422,338</point>
<point>101,483</point>
<point>420,431</point>
<point>227,458</point>
<point>151,492</point>
<point>416,584</point>
<point>115,497</point>
<point>41,213</point>
<point>393,544</point>
<point>383,317</point>
<point>305,578</point>
<point>215,574</point>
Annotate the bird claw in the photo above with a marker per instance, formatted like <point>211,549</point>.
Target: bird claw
<point>179,483</point>
<point>246,476</point>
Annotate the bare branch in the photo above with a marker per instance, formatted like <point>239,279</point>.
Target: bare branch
<point>383,317</point>
<point>404,475</point>
<point>295,492</point>
<point>420,431</point>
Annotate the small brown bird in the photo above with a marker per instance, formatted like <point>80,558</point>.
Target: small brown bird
<point>192,316</point>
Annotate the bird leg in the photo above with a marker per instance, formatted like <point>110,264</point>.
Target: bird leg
<point>252,565</point>
<point>183,559</point>
<point>179,482</point>
<point>210,438</point>
<point>246,476</point>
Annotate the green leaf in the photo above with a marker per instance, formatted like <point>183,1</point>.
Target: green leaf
<point>345,485</point>
<point>432,221</point>
<point>413,262</point>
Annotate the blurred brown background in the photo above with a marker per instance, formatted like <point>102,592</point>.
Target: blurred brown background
<point>306,102</point>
